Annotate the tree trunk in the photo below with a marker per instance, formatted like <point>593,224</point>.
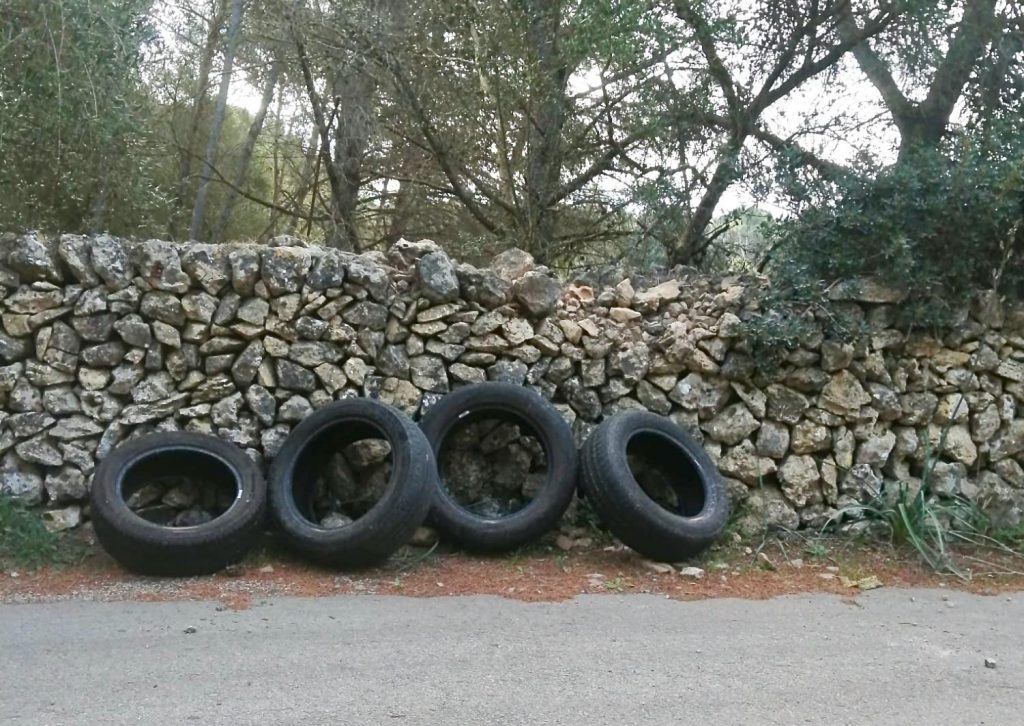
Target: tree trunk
<point>345,135</point>
<point>255,129</point>
<point>403,207</point>
<point>922,125</point>
<point>544,162</point>
<point>356,91</point>
<point>726,172</point>
<point>305,182</point>
<point>220,110</point>
<point>99,207</point>
<point>198,105</point>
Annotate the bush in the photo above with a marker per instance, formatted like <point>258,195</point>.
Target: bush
<point>939,229</point>
<point>795,315</point>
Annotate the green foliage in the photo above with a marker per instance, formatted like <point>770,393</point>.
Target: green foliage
<point>105,108</point>
<point>584,515</point>
<point>773,334</point>
<point>24,541</point>
<point>937,228</point>
<point>921,522</point>
<point>71,114</point>
<point>795,312</point>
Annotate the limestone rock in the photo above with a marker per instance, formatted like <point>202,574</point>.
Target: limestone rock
<point>876,449</point>
<point>328,270</point>
<point>705,396</point>
<point>844,394</point>
<point>247,365</point>
<point>867,290</point>
<point>512,264</point>
<point>159,264</point>
<point>428,374</point>
<point>623,315</point>
<point>732,425</point>
<point>653,399</point>
<point>773,439</point>
<point>800,478</point>
<point>743,463</point>
<point>654,297</point>
<point>537,294</point>
<point>946,478</point>
<point>483,287</point>
<point>367,314</point>
<point>294,377</point>
<point>294,410</point>
<point>39,450</point>
<point>767,509</point>
<point>74,252</point>
<point>20,481</point>
<point>1008,442</point>
<point>368,274</point>
<point>110,261</point>
<point>36,259</point>
<point>958,444</point>
<point>141,413</point>
<point>785,405</point>
<point>65,485</point>
<point>284,269</point>
<point>437,277</point>
<point>809,437</point>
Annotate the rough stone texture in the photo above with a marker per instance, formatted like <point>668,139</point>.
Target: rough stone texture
<point>437,278</point>
<point>537,293</point>
<point>102,339</point>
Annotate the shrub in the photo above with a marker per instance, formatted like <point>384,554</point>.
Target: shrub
<point>940,229</point>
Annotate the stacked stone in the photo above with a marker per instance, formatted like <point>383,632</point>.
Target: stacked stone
<point>105,339</point>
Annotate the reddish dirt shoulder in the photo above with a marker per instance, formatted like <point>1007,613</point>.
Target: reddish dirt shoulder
<point>544,573</point>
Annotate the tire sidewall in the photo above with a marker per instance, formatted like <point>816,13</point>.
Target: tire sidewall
<point>397,513</point>
<point>545,423</point>
<point>631,514</point>
<point>147,546</point>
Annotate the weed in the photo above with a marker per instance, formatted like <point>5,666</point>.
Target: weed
<point>815,550</point>
<point>616,585</point>
<point>24,541</point>
<point>933,526</point>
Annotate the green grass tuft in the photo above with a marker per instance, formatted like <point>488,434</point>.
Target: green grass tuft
<point>936,527</point>
<point>24,540</point>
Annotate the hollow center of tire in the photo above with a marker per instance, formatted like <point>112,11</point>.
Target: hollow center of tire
<point>492,464</point>
<point>179,488</point>
<point>666,474</point>
<point>341,474</point>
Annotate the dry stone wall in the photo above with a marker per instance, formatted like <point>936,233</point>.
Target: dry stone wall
<point>105,339</point>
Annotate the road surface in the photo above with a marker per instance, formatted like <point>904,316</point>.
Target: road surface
<point>889,657</point>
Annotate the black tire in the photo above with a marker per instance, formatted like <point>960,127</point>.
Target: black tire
<point>394,518</point>
<point>629,512</point>
<point>520,405</point>
<point>152,549</point>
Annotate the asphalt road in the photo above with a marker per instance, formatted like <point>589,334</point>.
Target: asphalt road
<point>895,657</point>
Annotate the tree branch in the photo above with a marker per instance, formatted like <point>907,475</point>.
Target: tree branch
<point>975,32</point>
<point>715,65</point>
<point>437,148</point>
<point>872,65</point>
